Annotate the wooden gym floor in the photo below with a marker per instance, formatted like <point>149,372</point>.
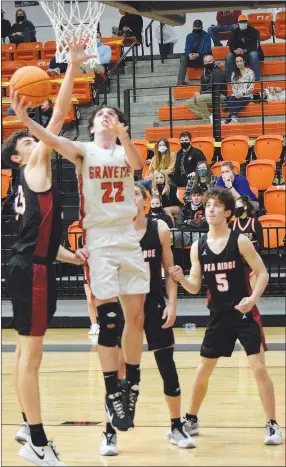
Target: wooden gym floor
<point>72,390</point>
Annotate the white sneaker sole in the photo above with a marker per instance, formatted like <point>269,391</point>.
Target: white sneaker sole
<point>108,452</point>
<point>272,441</point>
<point>190,433</point>
<point>22,439</point>
<point>184,443</point>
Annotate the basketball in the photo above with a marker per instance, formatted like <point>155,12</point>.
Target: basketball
<point>32,82</point>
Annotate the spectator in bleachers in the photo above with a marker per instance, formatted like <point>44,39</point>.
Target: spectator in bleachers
<point>274,93</point>
<point>23,30</point>
<point>5,26</point>
<point>211,76</point>
<point>187,159</point>
<point>203,178</point>
<point>129,25</point>
<point>104,55</point>
<point>242,89</point>
<point>169,39</point>
<point>163,159</point>
<point>198,44</point>
<point>247,223</point>
<point>238,185</point>
<point>46,112</point>
<point>226,21</point>
<point>57,68</point>
<point>167,191</point>
<point>193,210</point>
<point>157,212</point>
<point>244,40</point>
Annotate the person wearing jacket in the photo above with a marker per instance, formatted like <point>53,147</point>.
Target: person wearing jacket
<point>211,76</point>
<point>198,44</point>
<point>244,40</point>
<point>226,21</point>
<point>186,160</point>
<point>23,30</point>
<point>166,191</point>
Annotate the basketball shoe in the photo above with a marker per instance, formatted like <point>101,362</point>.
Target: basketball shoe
<point>40,455</point>
<point>192,428</point>
<point>108,445</point>
<point>273,433</point>
<point>130,399</point>
<point>181,438</point>
<point>23,435</point>
<point>116,413</point>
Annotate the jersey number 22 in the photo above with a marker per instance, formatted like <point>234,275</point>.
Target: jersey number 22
<point>109,187</point>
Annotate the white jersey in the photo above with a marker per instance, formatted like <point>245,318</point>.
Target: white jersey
<point>106,187</point>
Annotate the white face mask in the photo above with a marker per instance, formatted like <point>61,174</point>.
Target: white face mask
<point>240,65</point>
<point>162,149</point>
<point>242,26</point>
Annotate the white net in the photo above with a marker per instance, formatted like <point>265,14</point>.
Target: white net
<point>74,19</point>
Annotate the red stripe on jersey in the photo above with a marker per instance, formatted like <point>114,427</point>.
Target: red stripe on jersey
<point>39,300</point>
<point>45,201</point>
<point>82,202</point>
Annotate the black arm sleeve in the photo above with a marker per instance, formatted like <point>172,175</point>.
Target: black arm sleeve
<point>259,234</point>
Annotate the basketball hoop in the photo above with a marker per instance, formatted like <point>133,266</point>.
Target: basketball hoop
<point>68,21</point>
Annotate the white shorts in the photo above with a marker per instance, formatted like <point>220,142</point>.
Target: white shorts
<point>116,263</point>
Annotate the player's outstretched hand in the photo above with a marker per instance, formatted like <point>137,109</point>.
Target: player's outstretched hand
<point>177,273</point>
<point>77,53</point>
<point>245,305</point>
<point>170,315</point>
<point>81,255</point>
<point>17,104</point>
<point>116,128</point>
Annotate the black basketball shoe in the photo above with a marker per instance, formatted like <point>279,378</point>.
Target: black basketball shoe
<point>116,413</point>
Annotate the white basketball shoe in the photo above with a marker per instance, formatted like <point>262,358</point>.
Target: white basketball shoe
<point>40,455</point>
<point>273,434</point>
<point>108,446</point>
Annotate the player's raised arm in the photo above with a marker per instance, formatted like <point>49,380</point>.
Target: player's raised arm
<point>194,283</point>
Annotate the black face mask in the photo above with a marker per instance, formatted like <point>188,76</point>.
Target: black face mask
<point>209,66</point>
<point>185,145</point>
<point>20,18</point>
<point>156,210</point>
<point>197,31</point>
<point>239,211</point>
<point>160,188</point>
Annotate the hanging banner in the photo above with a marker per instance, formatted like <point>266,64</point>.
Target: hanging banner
<point>25,4</point>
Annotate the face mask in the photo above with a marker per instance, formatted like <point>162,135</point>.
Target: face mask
<point>197,31</point>
<point>242,26</point>
<point>160,188</point>
<point>98,41</point>
<point>239,211</point>
<point>209,66</point>
<point>20,18</point>
<point>156,210</point>
<point>185,145</point>
<point>202,172</point>
<point>240,65</point>
<point>162,149</point>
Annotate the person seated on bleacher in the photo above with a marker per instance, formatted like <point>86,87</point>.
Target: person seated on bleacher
<point>57,68</point>
<point>169,39</point>
<point>242,90</point>
<point>163,159</point>
<point>187,159</point>
<point>203,178</point>
<point>212,75</point>
<point>244,40</point>
<point>104,55</point>
<point>226,21</point>
<point>46,112</point>
<point>238,185</point>
<point>130,25</point>
<point>23,30</point>
<point>167,191</point>
<point>198,44</point>
<point>157,212</point>
<point>274,93</point>
<point>5,26</point>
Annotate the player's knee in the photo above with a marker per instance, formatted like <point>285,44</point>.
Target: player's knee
<point>135,320</point>
<point>108,318</point>
<point>167,368</point>
<point>260,371</point>
<point>31,360</point>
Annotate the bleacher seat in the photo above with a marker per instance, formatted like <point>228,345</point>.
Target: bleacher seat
<point>48,50</point>
<point>206,145</point>
<point>141,145</point>
<point>74,234</point>
<point>11,124</point>
<point>273,238</point>
<point>262,22</point>
<point>235,148</point>
<point>28,51</point>
<point>8,68</point>
<point>7,52</point>
<point>181,193</point>
<point>254,190</point>
<point>41,63</point>
<point>275,67</point>
<point>269,147</point>
<point>261,173</point>
<point>6,175</point>
<point>280,26</point>
<point>270,50</point>
<point>147,202</point>
<point>145,170</point>
<point>275,199</point>
<point>216,168</point>
<point>174,144</point>
<point>283,171</point>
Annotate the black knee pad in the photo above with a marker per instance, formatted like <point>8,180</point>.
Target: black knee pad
<point>121,323</point>
<point>168,371</point>
<point>108,316</point>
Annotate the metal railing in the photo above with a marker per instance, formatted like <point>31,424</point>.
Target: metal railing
<point>149,43</point>
<point>70,277</point>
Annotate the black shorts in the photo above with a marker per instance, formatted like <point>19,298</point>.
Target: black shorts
<point>157,338</point>
<point>33,291</point>
<point>224,328</point>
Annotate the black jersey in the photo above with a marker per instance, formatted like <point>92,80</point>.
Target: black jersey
<point>152,251</point>
<point>40,224</point>
<point>251,228</point>
<point>224,274</point>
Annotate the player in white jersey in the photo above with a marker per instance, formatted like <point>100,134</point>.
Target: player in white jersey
<point>116,264</point>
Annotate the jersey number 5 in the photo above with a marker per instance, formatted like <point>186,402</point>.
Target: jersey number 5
<point>20,202</point>
<point>221,282</point>
<point>109,187</point>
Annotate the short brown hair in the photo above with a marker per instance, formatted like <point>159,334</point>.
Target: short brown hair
<point>186,133</point>
<point>142,189</point>
<point>224,197</point>
<point>228,164</point>
<point>119,113</point>
<point>9,147</point>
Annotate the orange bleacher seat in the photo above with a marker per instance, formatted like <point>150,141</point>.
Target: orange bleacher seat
<point>147,202</point>
<point>181,193</point>
<point>260,173</point>
<point>283,171</point>
<point>145,170</point>
<point>275,199</point>
<point>275,67</point>
<point>217,165</point>
<point>41,63</point>
<point>49,50</point>
<point>8,68</point>
<point>28,51</point>
<point>7,52</point>
<point>82,90</point>
<point>269,50</point>
<point>269,147</point>
<point>141,145</point>
<point>273,237</point>
<point>262,22</point>
<point>280,26</point>
<point>10,125</point>
<point>6,175</point>
<point>220,53</point>
<point>224,35</point>
<point>254,190</point>
<point>74,234</point>
<point>174,144</point>
<point>206,145</point>
<point>235,148</point>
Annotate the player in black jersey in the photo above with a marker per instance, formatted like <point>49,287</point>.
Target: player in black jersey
<point>31,278</point>
<point>155,241</point>
<point>219,257</point>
